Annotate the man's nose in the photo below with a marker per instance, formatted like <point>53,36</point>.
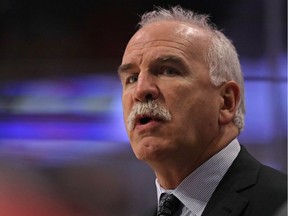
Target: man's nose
<point>146,88</point>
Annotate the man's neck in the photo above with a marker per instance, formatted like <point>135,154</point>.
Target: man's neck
<point>171,172</point>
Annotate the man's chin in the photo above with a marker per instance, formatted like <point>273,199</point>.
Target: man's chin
<point>149,152</point>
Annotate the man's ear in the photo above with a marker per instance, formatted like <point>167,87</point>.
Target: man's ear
<point>230,93</point>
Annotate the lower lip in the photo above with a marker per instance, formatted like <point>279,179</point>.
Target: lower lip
<point>151,124</point>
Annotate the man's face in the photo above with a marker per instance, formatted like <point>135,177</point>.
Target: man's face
<point>164,63</point>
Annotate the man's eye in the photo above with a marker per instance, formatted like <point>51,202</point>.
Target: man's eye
<point>132,79</point>
<point>169,71</point>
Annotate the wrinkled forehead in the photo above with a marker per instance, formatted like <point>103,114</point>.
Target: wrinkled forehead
<point>189,35</point>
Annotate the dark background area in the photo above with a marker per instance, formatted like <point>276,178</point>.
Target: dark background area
<point>57,37</point>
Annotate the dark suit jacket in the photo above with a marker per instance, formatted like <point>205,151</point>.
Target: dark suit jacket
<point>248,189</point>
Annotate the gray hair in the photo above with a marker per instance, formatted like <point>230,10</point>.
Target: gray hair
<point>222,56</point>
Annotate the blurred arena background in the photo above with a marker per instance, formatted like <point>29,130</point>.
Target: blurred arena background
<point>63,147</point>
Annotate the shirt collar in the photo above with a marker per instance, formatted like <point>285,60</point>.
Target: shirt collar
<point>197,188</point>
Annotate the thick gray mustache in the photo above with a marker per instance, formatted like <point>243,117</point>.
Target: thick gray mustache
<point>151,108</point>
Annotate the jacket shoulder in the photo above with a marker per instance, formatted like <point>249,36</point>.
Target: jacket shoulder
<point>262,189</point>
<point>273,182</point>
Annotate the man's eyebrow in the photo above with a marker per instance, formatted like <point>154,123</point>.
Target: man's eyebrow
<point>169,58</point>
<point>162,59</point>
<point>124,67</point>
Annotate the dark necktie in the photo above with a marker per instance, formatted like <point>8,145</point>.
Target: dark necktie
<point>168,205</point>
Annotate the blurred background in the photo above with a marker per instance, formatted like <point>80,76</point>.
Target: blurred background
<point>63,148</point>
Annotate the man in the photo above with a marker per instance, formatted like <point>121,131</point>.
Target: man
<point>183,104</point>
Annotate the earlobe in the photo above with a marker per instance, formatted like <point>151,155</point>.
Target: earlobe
<point>230,93</point>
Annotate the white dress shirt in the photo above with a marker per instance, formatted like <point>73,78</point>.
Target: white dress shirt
<point>197,188</point>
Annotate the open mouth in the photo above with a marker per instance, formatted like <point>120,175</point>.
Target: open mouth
<point>144,120</point>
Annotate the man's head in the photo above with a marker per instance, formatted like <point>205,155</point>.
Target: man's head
<point>183,91</point>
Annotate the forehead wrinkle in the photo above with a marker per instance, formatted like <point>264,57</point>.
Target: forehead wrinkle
<point>150,43</point>
<point>179,57</point>
<point>183,34</point>
<point>186,46</point>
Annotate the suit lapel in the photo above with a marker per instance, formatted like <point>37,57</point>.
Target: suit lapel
<point>226,200</point>
<point>231,204</point>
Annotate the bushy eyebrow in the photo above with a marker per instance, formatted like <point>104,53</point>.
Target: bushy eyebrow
<point>160,60</point>
<point>169,59</point>
<point>124,67</point>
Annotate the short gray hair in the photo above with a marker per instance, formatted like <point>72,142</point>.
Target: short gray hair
<point>222,56</point>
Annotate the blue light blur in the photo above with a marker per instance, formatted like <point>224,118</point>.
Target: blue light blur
<point>87,111</point>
